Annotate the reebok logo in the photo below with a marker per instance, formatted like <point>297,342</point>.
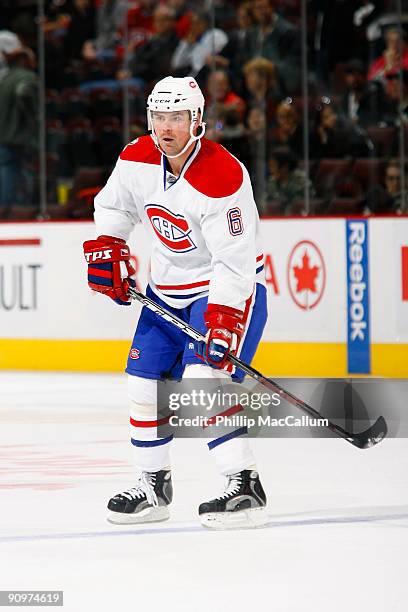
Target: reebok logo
<point>358,289</point>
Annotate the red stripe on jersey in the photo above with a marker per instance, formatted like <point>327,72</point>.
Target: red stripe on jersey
<point>188,286</point>
<point>259,258</point>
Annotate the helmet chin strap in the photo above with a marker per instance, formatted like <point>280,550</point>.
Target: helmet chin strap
<point>192,139</point>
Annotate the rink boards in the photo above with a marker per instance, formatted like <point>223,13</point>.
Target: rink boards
<point>337,298</point>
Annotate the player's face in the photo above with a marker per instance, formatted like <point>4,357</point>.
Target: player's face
<point>172,130</point>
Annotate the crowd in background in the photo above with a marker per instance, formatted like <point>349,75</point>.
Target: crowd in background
<point>339,149</point>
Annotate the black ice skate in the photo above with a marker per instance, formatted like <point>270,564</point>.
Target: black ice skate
<point>241,505</point>
<point>144,503</point>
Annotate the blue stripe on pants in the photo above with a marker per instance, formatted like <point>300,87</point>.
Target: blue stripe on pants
<point>151,442</point>
<point>233,434</point>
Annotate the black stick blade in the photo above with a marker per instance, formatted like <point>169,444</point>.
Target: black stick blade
<point>371,436</point>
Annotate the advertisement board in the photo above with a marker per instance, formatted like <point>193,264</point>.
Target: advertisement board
<point>337,298</point>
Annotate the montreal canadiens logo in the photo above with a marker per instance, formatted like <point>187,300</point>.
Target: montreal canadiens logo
<point>172,230</point>
<point>306,275</point>
<point>134,353</point>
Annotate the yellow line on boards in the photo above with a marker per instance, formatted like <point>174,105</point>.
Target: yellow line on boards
<point>389,360</point>
<point>272,358</point>
<point>68,355</point>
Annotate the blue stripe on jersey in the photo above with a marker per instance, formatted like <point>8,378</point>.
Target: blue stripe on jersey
<point>259,269</point>
<point>233,434</point>
<point>186,296</point>
<point>98,280</point>
<point>159,442</point>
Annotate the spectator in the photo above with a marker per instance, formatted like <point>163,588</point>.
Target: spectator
<point>80,29</point>
<point>140,21</point>
<point>221,100</point>
<point>194,51</point>
<point>333,136</point>
<point>262,87</point>
<point>365,101</point>
<point>233,52</point>
<point>393,185</point>
<point>224,14</point>
<point>151,60</point>
<point>232,55</point>
<point>277,40</point>
<point>254,156</point>
<point>18,123</point>
<point>57,19</point>
<point>397,97</point>
<point>225,113</point>
<point>388,198</point>
<point>340,32</point>
<point>288,129</point>
<point>364,19</point>
<point>286,183</point>
<point>55,27</point>
<point>394,57</point>
<point>183,15</point>
<point>244,19</point>
<point>110,15</point>
<point>8,42</point>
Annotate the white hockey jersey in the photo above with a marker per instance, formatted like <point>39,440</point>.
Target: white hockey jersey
<point>204,226</point>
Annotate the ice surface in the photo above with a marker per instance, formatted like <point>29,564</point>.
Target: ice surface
<point>337,539</point>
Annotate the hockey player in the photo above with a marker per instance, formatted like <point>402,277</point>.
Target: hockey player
<point>196,203</point>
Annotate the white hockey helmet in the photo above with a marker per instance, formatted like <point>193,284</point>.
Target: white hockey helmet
<point>177,94</point>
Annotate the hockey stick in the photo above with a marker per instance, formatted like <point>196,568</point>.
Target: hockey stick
<point>365,439</point>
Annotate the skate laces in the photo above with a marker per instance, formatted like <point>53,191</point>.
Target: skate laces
<point>233,486</point>
<point>145,487</point>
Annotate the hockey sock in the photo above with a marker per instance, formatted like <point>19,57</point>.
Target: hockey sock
<point>150,451</point>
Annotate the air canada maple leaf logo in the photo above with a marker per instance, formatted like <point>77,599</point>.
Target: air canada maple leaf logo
<point>306,275</point>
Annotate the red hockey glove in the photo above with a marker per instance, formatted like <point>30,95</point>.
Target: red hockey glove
<point>109,268</point>
<point>225,328</point>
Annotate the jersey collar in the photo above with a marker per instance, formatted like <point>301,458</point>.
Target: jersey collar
<point>165,166</point>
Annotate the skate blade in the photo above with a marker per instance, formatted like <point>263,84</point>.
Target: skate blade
<point>243,519</point>
<point>148,515</point>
